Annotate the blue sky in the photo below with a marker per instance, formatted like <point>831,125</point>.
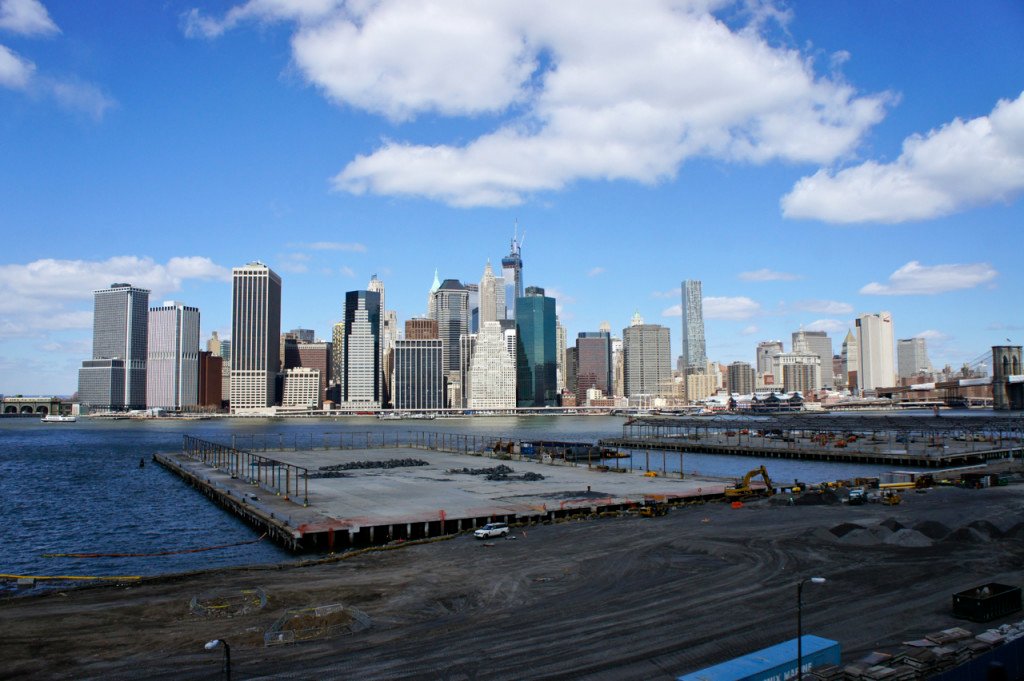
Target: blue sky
<point>807,161</point>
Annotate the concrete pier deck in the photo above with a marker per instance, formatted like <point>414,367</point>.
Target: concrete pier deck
<point>279,492</point>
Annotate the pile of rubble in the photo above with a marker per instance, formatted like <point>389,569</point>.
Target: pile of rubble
<point>499,472</point>
<point>338,470</point>
<point>921,659</point>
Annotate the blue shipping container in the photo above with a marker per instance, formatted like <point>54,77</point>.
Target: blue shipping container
<point>776,663</point>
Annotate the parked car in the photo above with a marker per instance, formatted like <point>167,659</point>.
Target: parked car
<point>491,530</point>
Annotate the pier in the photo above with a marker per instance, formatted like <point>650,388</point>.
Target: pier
<point>909,441</point>
<point>348,490</point>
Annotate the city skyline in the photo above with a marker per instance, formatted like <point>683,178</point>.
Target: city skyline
<point>205,141</point>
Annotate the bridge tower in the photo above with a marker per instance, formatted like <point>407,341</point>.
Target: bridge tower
<point>1007,378</point>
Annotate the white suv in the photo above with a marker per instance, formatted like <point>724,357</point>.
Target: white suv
<point>491,530</point>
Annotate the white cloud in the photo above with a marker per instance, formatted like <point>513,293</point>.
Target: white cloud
<point>579,90</point>
<point>739,307</point>
<point>823,306</point>
<point>559,296</point>
<point>933,335</point>
<point>15,72</point>
<point>80,96</point>
<point>596,271</point>
<point>959,165</point>
<point>917,279</point>
<point>750,330</point>
<point>768,275</point>
<point>40,296</point>
<point>26,17</point>
<point>828,325</point>
<point>294,263</point>
<point>736,308</point>
<point>671,293</point>
<point>347,271</point>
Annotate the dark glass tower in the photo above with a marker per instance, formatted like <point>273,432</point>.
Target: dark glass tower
<point>512,273</point>
<point>536,362</point>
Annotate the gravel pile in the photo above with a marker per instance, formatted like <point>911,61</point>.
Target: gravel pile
<point>337,470</point>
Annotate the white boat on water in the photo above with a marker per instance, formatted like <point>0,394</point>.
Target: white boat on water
<point>57,418</point>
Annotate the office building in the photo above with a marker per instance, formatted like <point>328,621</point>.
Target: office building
<point>850,357</point>
<point>765,351</point>
<point>317,355</point>
<point>912,357</point>
<point>800,369</point>
<point>492,296</point>
<point>875,342</point>
<point>362,355</point>
<point>512,275</point>
<point>742,378</point>
<point>210,378</point>
<point>172,364</point>
<point>337,347</point>
<point>646,359</point>
<point>450,307</point>
<point>115,378</point>
<point>492,373</point>
<point>421,328</point>
<point>419,374</point>
<point>570,372</point>
<point>302,389</point>
<point>820,344</point>
<point>694,352</point>
<point>593,363</point>
<point>536,364</point>
<point>255,337</point>
<point>303,335</point>
<point>560,342</point>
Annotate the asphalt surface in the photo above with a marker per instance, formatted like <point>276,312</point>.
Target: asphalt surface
<point>609,598</point>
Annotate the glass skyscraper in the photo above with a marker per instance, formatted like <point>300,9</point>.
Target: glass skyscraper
<point>512,273</point>
<point>115,377</point>
<point>536,361</point>
<point>362,353</point>
<point>694,352</point>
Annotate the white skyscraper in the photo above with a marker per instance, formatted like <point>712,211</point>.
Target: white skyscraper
<point>172,376</point>
<point>492,297</point>
<point>362,354</point>
<point>492,373</point>
<point>255,336</point>
<point>694,352</point>
<point>912,356</point>
<point>876,366</point>
<point>560,342</point>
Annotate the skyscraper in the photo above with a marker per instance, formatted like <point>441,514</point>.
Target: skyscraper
<point>912,356</point>
<point>362,354</point>
<point>875,341</point>
<point>741,378</point>
<point>337,348</point>
<point>765,351</point>
<point>850,357</point>
<point>593,363</point>
<point>512,273</point>
<point>172,371</point>
<point>419,374</point>
<point>820,344</point>
<point>115,377</point>
<point>536,364</point>
<point>647,359</point>
<point>560,341</point>
<point>492,296</point>
<point>694,352</point>
<point>492,373</point>
<point>450,306</point>
<point>255,336</point>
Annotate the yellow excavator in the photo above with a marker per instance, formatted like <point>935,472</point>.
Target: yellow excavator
<point>742,489</point>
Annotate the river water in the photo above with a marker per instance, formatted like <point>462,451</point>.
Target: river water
<point>79,488</point>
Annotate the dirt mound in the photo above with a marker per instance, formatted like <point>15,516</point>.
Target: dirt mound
<point>907,537</point>
<point>842,529</point>
<point>987,528</point>
<point>827,497</point>
<point>893,524</point>
<point>967,535</point>
<point>820,534</point>
<point>881,532</point>
<point>1015,532</point>
<point>859,537</point>
<point>932,529</point>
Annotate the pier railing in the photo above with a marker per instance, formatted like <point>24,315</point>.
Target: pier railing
<point>272,475</point>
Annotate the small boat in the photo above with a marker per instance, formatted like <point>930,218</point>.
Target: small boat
<point>57,418</point>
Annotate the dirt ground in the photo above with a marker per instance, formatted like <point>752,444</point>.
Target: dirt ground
<point>612,598</point>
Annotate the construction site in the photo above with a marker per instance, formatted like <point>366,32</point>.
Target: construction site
<point>601,575</point>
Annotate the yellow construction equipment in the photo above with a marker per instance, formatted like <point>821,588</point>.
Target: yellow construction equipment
<point>743,490</point>
<point>891,497</point>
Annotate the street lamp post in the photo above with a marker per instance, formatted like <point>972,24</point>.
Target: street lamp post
<point>210,645</point>
<point>800,624</point>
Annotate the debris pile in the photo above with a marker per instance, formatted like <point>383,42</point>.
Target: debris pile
<point>500,472</point>
<point>338,470</point>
